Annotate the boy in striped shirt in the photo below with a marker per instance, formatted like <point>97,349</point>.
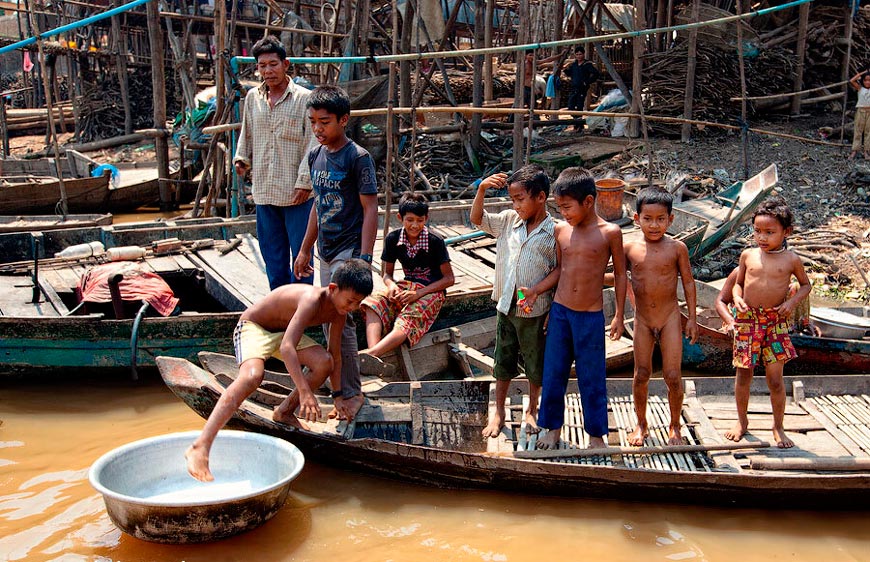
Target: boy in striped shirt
<point>526,270</point>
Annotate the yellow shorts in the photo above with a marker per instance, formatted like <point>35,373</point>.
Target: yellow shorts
<point>252,341</point>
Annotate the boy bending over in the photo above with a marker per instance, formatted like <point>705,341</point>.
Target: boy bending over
<point>585,243</point>
<point>760,325</point>
<point>407,308</point>
<point>655,263</point>
<point>274,327</point>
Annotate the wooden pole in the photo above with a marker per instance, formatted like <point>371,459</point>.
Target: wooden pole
<point>689,98</point>
<point>654,450</point>
<point>846,73</point>
<point>479,78</point>
<point>405,66</point>
<point>62,204</point>
<point>119,45</point>
<point>522,38</point>
<point>637,68</point>
<point>4,133</point>
<point>801,49</point>
<point>744,127</point>
<point>158,85</point>
<point>390,132</point>
<point>487,42</point>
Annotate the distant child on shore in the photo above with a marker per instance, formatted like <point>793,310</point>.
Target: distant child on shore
<point>585,243</point>
<point>655,263</point>
<point>761,321</point>
<point>526,270</point>
<point>861,134</point>
<point>407,309</point>
<point>275,326</point>
<point>344,218</point>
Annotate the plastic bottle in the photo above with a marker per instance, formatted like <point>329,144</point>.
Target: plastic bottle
<point>82,250</point>
<point>123,253</point>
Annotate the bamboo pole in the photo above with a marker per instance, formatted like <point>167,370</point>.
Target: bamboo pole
<point>511,111</point>
<point>487,43</point>
<point>390,133</point>
<point>119,45</point>
<point>62,204</point>
<point>480,76</point>
<point>655,450</point>
<point>744,131</point>
<point>522,37</point>
<point>689,99</point>
<point>846,73</point>
<point>158,84</point>
<point>4,132</point>
<point>801,49</point>
<point>637,68</point>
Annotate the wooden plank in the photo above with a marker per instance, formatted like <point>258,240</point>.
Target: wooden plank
<point>477,358</point>
<point>564,453</point>
<point>15,296</point>
<point>417,431</point>
<point>693,411</point>
<point>839,464</point>
<point>760,422</point>
<point>406,363</point>
<point>832,428</point>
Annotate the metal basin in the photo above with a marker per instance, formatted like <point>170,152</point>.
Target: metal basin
<point>843,323</point>
<point>150,495</point>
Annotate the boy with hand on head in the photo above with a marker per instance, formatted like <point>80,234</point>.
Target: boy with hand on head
<point>585,244</point>
<point>344,218</point>
<point>275,326</point>
<point>655,263</point>
<point>407,308</point>
<point>526,270</point>
<point>760,324</point>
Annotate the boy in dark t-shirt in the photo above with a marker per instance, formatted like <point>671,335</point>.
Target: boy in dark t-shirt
<point>344,218</point>
<point>406,309</point>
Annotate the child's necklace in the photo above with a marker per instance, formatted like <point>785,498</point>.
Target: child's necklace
<point>781,250</point>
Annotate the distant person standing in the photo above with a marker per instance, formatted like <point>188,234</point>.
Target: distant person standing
<point>274,140</point>
<point>861,135</point>
<point>582,74</point>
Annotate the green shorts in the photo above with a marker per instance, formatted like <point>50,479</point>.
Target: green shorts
<point>515,337</point>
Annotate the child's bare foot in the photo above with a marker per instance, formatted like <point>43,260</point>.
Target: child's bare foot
<point>737,432</point>
<point>531,420</point>
<point>550,440</point>
<point>493,428</point>
<point>287,417</point>
<point>782,440</point>
<point>197,464</point>
<point>636,437</point>
<point>675,437</point>
<point>596,443</point>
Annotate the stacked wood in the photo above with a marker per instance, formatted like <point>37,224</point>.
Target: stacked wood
<point>101,106</point>
<point>462,85</point>
<point>29,119</point>
<point>665,80</point>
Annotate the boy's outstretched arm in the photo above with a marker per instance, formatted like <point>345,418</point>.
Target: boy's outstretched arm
<point>309,408</point>
<point>620,281</point>
<point>496,181</point>
<point>786,308</point>
<point>302,263</point>
<point>689,290</point>
<point>370,223</point>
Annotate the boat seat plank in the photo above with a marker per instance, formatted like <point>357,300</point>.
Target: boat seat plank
<point>15,296</point>
<point>250,248</point>
<point>66,279</point>
<point>51,295</point>
<point>184,264</point>
<point>163,264</point>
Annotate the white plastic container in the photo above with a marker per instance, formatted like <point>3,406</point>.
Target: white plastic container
<point>82,250</point>
<point>123,253</point>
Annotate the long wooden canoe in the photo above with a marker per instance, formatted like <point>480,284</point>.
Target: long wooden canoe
<point>429,433</point>
<point>41,223</point>
<point>816,355</point>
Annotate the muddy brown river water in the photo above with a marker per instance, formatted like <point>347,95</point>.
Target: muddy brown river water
<point>50,435</point>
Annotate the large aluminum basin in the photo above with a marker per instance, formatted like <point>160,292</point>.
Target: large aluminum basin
<point>150,495</point>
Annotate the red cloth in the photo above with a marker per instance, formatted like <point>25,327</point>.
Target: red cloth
<point>137,285</point>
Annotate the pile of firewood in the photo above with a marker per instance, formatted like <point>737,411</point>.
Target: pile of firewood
<point>718,80</point>
<point>462,86</point>
<point>101,109</point>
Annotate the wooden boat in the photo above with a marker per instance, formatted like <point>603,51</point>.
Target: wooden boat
<point>727,209</point>
<point>816,355</point>
<point>41,223</point>
<point>31,187</point>
<point>429,433</point>
<point>53,334</point>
